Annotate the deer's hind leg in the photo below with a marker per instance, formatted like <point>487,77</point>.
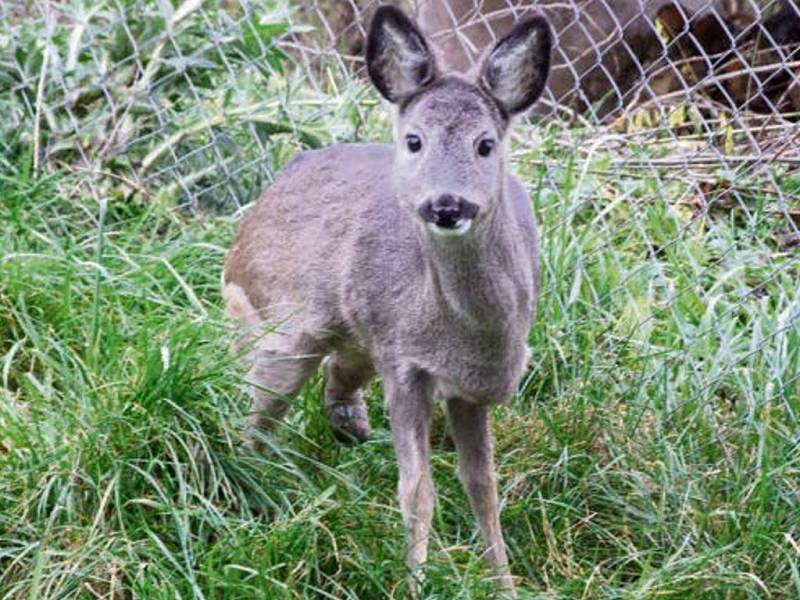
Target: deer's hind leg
<point>279,368</point>
<point>280,359</point>
<point>346,372</point>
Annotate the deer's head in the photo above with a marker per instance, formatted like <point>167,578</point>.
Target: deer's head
<point>450,129</point>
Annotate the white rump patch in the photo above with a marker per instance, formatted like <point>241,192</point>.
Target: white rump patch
<point>238,304</point>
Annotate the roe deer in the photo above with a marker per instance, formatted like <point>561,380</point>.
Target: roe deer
<point>418,261</point>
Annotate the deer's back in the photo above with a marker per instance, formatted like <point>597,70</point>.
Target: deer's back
<point>291,250</point>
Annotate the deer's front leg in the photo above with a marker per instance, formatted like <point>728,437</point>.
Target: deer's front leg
<point>409,402</point>
<point>470,429</point>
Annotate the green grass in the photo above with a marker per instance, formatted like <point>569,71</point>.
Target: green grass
<point>652,452</point>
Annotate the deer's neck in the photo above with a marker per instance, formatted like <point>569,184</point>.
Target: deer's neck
<point>472,276</point>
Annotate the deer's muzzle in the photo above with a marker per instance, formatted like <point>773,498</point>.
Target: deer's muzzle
<point>448,214</point>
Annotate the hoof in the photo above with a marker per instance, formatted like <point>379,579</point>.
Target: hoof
<point>349,422</point>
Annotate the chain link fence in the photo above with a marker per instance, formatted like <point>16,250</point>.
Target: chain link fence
<point>663,159</point>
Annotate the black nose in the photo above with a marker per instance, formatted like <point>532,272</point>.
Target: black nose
<point>447,210</point>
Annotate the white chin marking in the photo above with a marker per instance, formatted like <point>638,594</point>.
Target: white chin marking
<point>462,227</point>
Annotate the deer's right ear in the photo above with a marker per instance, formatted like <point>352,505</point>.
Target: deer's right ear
<point>399,61</point>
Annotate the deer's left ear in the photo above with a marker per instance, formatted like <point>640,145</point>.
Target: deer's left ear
<point>515,71</point>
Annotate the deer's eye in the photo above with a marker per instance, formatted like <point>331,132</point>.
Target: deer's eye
<point>413,143</point>
<point>485,147</point>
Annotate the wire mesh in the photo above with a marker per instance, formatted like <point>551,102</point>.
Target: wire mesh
<point>662,160</point>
